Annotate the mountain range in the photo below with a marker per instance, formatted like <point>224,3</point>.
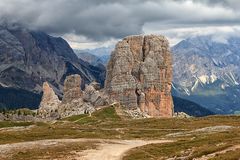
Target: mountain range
<point>96,55</point>
<point>207,71</point>
<point>29,58</point>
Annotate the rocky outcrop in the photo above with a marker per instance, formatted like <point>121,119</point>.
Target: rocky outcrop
<point>93,95</point>
<point>49,103</point>
<point>75,101</point>
<point>72,88</point>
<point>75,107</point>
<point>139,75</point>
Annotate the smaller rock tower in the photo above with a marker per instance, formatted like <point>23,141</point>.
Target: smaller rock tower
<point>49,103</point>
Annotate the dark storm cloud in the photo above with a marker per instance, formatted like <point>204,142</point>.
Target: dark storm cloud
<point>105,19</point>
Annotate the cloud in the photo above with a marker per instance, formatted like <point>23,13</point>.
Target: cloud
<point>95,20</point>
<point>218,33</point>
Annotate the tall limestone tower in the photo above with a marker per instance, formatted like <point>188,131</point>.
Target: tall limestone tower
<point>139,74</point>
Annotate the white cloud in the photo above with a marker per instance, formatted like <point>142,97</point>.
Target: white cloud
<point>220,33</point>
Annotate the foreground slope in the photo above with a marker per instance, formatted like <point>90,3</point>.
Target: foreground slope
<point>84,136</point>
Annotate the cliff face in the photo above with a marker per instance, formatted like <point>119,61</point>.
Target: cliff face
<point>139,74</point>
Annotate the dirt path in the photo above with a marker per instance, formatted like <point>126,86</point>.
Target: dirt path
<point>115,149</point>
<point>106,150</point>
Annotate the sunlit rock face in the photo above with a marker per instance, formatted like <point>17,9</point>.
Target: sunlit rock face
<point>139,74</point>
<point>49,103</point>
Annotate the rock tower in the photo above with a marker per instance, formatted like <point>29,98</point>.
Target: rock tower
<point>49,103</point>
<point>72,88</point>
<point>139,74</point>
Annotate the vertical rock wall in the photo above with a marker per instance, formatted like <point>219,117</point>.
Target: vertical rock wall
<point>139,74</point>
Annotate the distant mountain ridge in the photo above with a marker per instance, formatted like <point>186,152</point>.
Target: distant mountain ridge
<point>97,55</point>
<point>28,58</point>
<point>207,71</point>
<point>101,51</point>
<point>88,57</point>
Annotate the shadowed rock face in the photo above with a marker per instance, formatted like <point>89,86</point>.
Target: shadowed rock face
<point>139,74</point>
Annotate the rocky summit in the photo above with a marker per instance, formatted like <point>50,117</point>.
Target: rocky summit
<point>139,75</point>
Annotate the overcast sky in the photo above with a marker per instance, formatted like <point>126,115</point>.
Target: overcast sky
<point>95,23</point>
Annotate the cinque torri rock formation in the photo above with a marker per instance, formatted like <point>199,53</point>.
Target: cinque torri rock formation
<point>139,75</point>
